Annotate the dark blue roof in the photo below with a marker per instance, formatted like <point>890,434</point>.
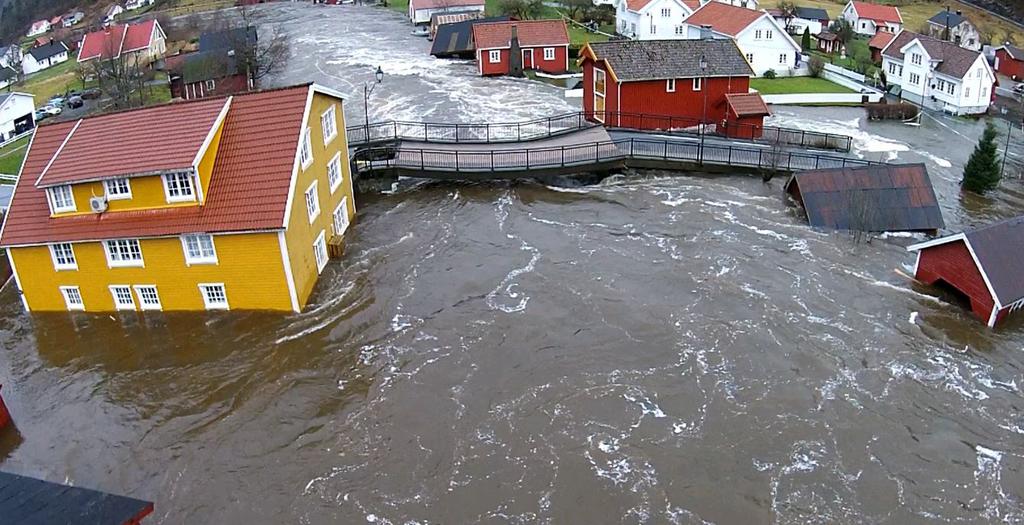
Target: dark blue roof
<point>811,13</point>
<point>951,17</point>
<point>30,501</point>
<point>457,39</point>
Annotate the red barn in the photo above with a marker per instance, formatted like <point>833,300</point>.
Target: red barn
<point>1010,61</point>
<point>982,266</point>
<point>626,82</point>
<point>508,48</point>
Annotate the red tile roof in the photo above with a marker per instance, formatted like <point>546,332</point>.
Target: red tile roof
<point>116,39</point>
<point>747,104</point>
<point>878,13</point>
<point>532,33</point>
<point>443,4</point>
<point>724,18</point>
<point>881,39</point>
<point>123,144</point>
<point>248,189</point>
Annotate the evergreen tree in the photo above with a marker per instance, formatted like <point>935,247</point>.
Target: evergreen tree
<point>806,42</point>
<point>981,173</point>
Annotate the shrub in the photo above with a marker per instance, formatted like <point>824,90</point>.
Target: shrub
<point>884,111</point>
<point>806,39</point>
<point>770,74</point>
<point>816,66</point>
<point>981,173</point>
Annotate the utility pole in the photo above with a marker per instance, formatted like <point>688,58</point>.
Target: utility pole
<point>1006,149</point>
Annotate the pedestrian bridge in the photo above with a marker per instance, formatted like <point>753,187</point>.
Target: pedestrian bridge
<point>572,144</point>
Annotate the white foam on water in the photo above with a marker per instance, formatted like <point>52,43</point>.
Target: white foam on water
<point>865,144</point>
<point>509,288</point>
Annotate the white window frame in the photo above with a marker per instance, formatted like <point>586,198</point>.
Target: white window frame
<point>783,58</point>
<point>142,302</point>
<point>335,164</point>
<point>549,54</point>
<point>750,58</point>
<point>329,124</point>
<point>343,208</point>
<point>73,307</point>
<point>306,150</point>
<point>666,12</point>
<point>670,85</point>
<point>52,194</point>
<point>206,301</point>
<point>178,179</point>
<point>494,56</point>
<point>313,213</point>
<point>698,84</point>
<point>116,195</point>
<point>320,252</point>
<point>57,265</point>
<point>111,263</point>
<point>117,305</point>
<point>201,259</point>
<point>768,34</point>
<point>210,85</point>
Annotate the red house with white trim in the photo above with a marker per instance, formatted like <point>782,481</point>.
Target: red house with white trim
<point>143,43</point>
<point>1010,61</point>
<point>508,48</point>
<point>982,266</point>
<point>659,84</point>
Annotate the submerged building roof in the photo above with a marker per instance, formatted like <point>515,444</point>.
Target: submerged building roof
<point>870,198</point>
<point>457,38</point>
<point>30,501</point>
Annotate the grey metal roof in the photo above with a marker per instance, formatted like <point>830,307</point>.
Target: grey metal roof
<point>893,197</point>
<point>951,17</point>
<point>812,13</point>
<point>33,501</point>
<point>636,60</point>
<point>7,73</point>
<point>954,60</point>
<point>1000,251</point>
<point>1015,52</point>
<point>54,48</point>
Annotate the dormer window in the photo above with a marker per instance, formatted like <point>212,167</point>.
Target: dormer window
<point>117,189</point>
<point>62,200</point>
<point>178,187</point>
<point>915,59</point>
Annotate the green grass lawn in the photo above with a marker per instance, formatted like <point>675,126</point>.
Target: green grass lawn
<point>784,86</point>
<point>54,81</point>
<point>11,156</point>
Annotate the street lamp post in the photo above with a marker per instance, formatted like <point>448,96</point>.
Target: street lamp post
<point>704,114</point>
<point>367,90</point>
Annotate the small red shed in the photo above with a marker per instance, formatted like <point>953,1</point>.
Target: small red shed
<point>1010,61</point>
<point>983,266</point>
<point>660,84</point>
<point>744,116</point>
<point>508,48</point>
<point>878,43</point>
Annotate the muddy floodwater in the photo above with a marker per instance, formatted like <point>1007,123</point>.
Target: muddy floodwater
<point>658,348</point>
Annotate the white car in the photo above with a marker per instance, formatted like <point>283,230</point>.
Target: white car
<point>51,110</point>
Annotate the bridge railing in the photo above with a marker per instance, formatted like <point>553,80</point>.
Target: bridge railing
<point>593,153</point>
<point>486,133</point>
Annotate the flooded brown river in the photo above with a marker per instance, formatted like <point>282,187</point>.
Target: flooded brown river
<point>657,348</point>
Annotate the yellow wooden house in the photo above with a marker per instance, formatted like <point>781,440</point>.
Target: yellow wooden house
<point>224,203</point>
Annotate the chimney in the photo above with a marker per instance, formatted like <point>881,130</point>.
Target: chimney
<point>705,32</point>
<point>515,54</point>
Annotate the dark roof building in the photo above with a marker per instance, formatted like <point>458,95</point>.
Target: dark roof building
<point>984,265</point>
<point>30,501</point>
<point>51,49</point>
<point>812,13</point>
<point>456,40</point>
<point>7,75</point>
<point>229,39</point>
<point>638,60</point>
<point>947,18</point>
<point>870,198</point>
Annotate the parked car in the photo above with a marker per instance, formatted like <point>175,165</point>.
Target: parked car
<point>50,110</point>
<point>41,115</point>
<point>91,93</point>
<point>75,102</point>
<point>56,102</point>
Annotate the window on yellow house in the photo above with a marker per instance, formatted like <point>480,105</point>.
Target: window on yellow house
<point>117,189</point>
<point>123,299</point>
<point>123,252</point>
<point>63,256</point>
<point>148,297</point>
<point>312,202</point>
<point>72,297</point>
<point>306,151</point>
<point>61,199</point>
<point>199,249</point>
<point>320,252</point>
<point>334,172</point>
<point>329,124</point>
<point>178,187</point>
<point>214,296</point>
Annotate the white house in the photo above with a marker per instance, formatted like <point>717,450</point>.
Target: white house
<point>38,28</point>
<point>420,11</point>
<point>17,114</point>
<point>955,27</point>
<point>762,39</point>
<point>111,12</point>
<point>748,4</point>
<point>10,56</point>
<point>71,19</point>
<point>812,18</point>
<point>132,5</point>
<point>8,76</point>
<point>43,57</point>
<point>868,19</point>
<point>939,75</point>
<point>654,19</point>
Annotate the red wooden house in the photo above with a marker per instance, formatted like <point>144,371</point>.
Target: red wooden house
<point>1010,61</point>
<point>509,48</point>
<point>878,43</point>
<point>982,266</point>
<point>661,84</point>
<point>744,115</point>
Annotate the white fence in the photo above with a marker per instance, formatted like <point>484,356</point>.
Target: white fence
<point>821,98</point>
<point>832,68</point>
<point>16,137</point>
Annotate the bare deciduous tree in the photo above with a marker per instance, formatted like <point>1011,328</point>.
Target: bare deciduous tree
<point>12,55</point>
<point>257,55</point>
